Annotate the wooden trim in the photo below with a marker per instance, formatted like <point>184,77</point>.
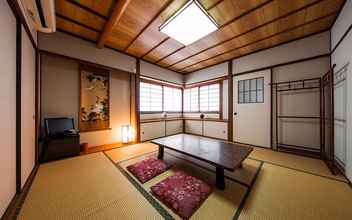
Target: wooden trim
<point>160,83</point>
<point>205,82</point>
<point>206,119</point>
<point>163,81</point>
<point>149,23</point>
<point>262,39</point>
<point>342,38</point>
<point>230,101</point>
<point>145,121</point>
<point>221,100</point>
<point>18,103</point>
<point>271,109</point>
<point>253,145</point>
<point>76,22</point>
<point>119,10</point>
<point>137,108</point>
<point>199,135</point>
<point>257,51</point>
<point>76,3</point>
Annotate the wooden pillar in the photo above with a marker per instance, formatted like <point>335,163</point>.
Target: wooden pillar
<point>137,111</point>
<point>230,102</point>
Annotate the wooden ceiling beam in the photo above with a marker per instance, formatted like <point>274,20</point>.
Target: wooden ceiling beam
<point>250,30</point>
<point>119,10</point>
<point>148,25</point>
<point>262,39</point>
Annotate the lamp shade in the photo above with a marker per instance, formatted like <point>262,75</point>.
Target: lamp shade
<point>126,133</point>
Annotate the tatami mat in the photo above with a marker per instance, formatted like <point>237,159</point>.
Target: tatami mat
<point>94,187</point>
<point>220,204</point>
<point>281,193</point>
<point>306,164</point>
<point>128,152</point>
<point>84,187</point>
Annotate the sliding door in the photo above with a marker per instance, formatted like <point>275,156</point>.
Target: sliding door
<point>252,108</point>
<point>27,108</point>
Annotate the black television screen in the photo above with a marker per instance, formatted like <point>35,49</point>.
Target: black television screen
<point>57,126</point>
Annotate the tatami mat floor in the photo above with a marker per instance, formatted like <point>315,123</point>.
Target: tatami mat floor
<point>271,185</point>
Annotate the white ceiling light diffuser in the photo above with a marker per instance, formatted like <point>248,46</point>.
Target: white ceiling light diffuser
<point>189,24</point>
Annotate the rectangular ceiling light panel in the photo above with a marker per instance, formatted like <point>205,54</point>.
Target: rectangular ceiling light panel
<point>189,24</point>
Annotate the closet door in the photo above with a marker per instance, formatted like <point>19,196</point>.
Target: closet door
<point>252,108</point>
<point>27,108</point>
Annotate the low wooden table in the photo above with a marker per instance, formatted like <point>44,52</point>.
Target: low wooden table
<point>221,154</point>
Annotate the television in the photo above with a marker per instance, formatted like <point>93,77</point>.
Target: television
<point>58,126</point>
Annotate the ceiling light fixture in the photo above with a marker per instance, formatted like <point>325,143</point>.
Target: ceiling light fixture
<point>189,24</point>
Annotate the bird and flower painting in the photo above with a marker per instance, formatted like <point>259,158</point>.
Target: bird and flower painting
<point>94,98</point>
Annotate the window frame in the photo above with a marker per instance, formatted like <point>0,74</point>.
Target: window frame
<point>249,91</point>
<point>142,80</point>
<point>198,88</point>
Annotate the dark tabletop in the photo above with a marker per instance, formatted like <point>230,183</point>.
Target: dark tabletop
<point>223,154</point>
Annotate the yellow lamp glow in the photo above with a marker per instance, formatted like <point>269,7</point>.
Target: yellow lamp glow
<point>127,133</point>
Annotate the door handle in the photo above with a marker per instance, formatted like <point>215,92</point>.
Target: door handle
<point>235,113</point>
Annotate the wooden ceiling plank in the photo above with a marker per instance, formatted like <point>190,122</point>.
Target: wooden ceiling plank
<point>76,22</point>
<point>262,39</point>
<point>119,10</point>
<point>161,42</point>
<point>76,3</point>
<point>148,25</point>
<point>214,5</point>
<point>250,30</point>
<point>221,27</point>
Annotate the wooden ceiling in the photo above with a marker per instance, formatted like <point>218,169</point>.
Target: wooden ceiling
<point>245,26</point>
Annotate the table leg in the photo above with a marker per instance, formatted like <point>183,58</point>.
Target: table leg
<point>220,178</point>
<point>161,152</point>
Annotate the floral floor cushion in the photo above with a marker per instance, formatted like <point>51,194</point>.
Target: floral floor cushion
<point>182,193</point>
<point>148,169</point>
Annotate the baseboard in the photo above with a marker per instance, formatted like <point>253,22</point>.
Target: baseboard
<point>16,203</point>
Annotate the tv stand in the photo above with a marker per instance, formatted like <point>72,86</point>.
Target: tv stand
<point>58,147</point>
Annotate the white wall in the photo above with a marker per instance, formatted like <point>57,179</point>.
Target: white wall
<point>342,23</point>
<point>27,108</point>
<point>342,56</point>
<point>67,45</point>
<point>154,71</point>
<point>8,110</point>
<point>60,97</point>
<point>307,47</point>
<point>304,103</point>
<point>208,73</point>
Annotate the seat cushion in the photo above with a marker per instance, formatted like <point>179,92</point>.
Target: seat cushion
<point>182,193</point>
<point>148,169</point>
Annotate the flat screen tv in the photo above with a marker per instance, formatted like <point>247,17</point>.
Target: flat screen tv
<point>58,126</point>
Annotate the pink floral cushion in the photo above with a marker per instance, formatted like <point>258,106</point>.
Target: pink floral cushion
<point>147,169</point>
<point>182,193</point>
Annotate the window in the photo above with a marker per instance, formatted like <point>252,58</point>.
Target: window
<point>158,98</point>
<point>209,98</point>
<point>202,99</point>
<point>251,90</point>
<point>190,97</point>
<point>151,97</point>
<point>172,99</point>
